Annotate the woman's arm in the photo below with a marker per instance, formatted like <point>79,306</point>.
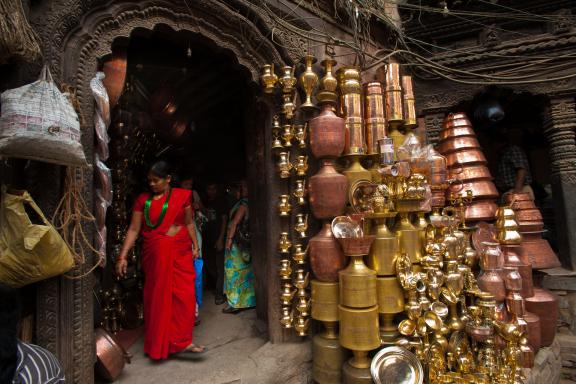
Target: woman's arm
<point>191,227</point>
<point>129,241</point>
<point>238,216</point>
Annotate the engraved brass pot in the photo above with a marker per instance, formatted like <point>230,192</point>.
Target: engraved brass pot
<point>327,133</point>
<point>357,284</point>
<point>328,356</point>
<point>359,328</point>
<point>384,250</point>
<point>324,299</point>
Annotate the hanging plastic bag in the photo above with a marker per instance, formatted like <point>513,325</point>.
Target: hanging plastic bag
<point>30,247</point>
<point>38,122</point>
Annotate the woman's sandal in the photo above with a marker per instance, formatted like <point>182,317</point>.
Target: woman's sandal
<point>195,349</point>
<point>230,310</point>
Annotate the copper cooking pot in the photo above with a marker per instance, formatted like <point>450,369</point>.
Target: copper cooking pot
<point>111,357</point>
<point>528,215</point>
<point>481,210</point>
<point>516,196</point>
<point>115,74</point>
<point>455,120</point>
<point>453,144</point>
<point>472,172</point>
<point>465,158</point>
<point>530,226</point>
<point>465,130</point>
<point>540,254</point>
<point>532,235</point>
<point>544,304</point>
<point>523,204</point>
<point>481,189</point>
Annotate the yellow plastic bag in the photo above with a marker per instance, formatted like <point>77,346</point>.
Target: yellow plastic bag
<point>30,247</point>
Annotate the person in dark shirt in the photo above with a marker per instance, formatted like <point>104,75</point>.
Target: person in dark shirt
<point>22,363</point>
<point>216,212</point>
<point>513,171</point>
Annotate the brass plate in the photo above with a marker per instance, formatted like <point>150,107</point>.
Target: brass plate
<point>396,365</point>
<point>345,227</point>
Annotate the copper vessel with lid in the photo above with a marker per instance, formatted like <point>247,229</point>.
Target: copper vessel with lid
<point>544,304</point>
<point>327,133</point>
<point>326,256</point>
<point>327,191</point>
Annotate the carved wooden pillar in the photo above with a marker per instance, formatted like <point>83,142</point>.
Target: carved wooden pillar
<point>559,126</point>
<point>433,122</point>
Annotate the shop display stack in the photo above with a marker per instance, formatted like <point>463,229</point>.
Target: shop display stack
<point>395,280</point>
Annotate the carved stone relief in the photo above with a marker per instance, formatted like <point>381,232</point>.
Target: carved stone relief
<point>560,129</point>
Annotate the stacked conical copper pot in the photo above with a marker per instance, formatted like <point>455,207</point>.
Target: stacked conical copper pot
<point>535,249</point>
<point>467,164</point>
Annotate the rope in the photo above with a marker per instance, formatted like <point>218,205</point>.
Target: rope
<point>70,217</point>
<point>17,38</point>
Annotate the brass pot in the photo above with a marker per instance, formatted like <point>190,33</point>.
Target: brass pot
<point>359,328</point>
<point>390,295</point>
<point>453,144</point>
<point>384,250</point>
<point>544,304</point>
<point>481,210</point>
<point>326,257</point>
<point>324,299</point>
<point>409,238</point>
<point>327,133</point>
<point>465,158</point>
<point>357,285</point>
<point>472,172</point>
<point>327,192</point>
<point>328,356</point>
<point>540,254</point>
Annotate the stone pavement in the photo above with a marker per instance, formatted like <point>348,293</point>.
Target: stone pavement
<point>238,353</point>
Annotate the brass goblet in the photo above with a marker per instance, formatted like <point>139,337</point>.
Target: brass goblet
<point>301,225</point>
<point>300,191</point>
<point>301,165</point>
<point>284,206</point>
<point>268,78</point>
<point>284,166</point>
<point>300,135</point>
<point>284,243</point>
<point>287,81</point>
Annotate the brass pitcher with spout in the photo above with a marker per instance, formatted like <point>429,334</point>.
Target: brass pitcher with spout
<point>284,243</point>
<point>284,206</point>
<point>268,78</point>
<point>288,80</point>
<point>287,294</point>
<point>284,166</point>
<point>301,225</point>
<point>300,134</point>
<point>300,191</point>
<point>301,165</point>
<point>299,254</point>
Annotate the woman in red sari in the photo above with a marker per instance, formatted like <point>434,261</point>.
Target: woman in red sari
<point>164,218</point>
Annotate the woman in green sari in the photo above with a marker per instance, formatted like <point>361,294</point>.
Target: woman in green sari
<point>238,273</point>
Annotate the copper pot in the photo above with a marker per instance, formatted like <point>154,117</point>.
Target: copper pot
<point>512,260</point>
<point>481,189</point>
<point>521,205</point>
<point>532,235</point>
<point>544,304</point>
<point>516,196</point>
<point>326,256</point>
<point>532,214</point>
<point>530,226</point>
<point>327,133</point>
<point>481,210</point>
<point>463,130</point>
<point>540,254</point>
<point>534,330</point>
<point>453,144</point>
<point>465,158</point>
<point>456,119</point>
<point>111,357</point>
<point>328,192</point>
<point>472,172</point>
<point>115,71</point>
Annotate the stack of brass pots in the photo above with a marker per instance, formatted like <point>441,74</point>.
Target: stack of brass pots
<point>382,259</point>
<point>358,309</point>
<point>467,164</point>
<point>510,239</point>
<point>536,249</point>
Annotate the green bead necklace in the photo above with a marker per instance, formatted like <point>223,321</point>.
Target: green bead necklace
<point>147,205</point>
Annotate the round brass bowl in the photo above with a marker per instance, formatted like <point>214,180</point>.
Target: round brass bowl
<point>396,365</point>
<point>465,158</point>
<point>407,327</point>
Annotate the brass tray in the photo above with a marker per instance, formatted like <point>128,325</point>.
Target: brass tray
<point>345,227</point>
<point>396,365</point>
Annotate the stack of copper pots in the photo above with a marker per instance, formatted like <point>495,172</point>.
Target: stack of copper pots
<point>536,249</point>
<point>467,164</point>
<point>328,191</point>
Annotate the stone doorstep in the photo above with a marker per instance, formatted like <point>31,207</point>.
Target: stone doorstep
<point>559,279</point>
<point>547,366</point>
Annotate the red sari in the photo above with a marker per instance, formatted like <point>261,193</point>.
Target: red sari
<point>168,265</point>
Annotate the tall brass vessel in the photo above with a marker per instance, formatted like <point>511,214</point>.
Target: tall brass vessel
<point>357,281</point>
<point>384,250</point>
<point>409,237</point>
<point>351,109</point>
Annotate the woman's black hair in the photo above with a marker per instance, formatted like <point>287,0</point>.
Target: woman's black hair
<point>9,317</point>
<point>161,169</point>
